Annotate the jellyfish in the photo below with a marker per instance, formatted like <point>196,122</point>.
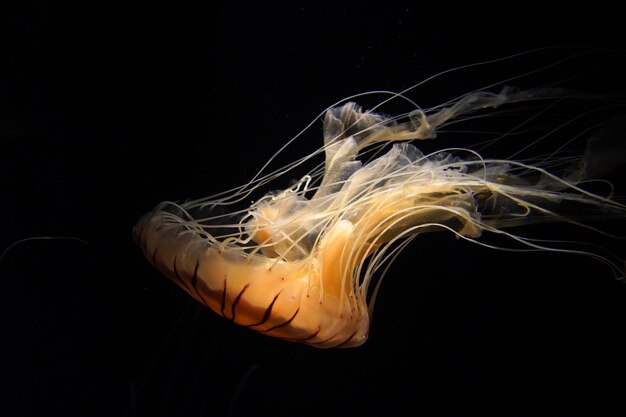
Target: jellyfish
<point>304,261</point>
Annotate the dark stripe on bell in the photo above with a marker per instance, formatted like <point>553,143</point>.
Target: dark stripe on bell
<point>321,342</point>
<point>180,281</point>
<point>223,306</point>
<point>234,306</point>
<point>278,326</point>
<point>311,336</point>
<point>267,313</point>
<point>194,283</point>
<point>347,340</point>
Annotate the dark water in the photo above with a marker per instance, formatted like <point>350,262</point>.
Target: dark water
<point>107,111</point>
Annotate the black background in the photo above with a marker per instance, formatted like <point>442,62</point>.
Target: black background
<point>108,110</point>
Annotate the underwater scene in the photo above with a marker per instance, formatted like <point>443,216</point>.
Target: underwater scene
<point>304,211</point>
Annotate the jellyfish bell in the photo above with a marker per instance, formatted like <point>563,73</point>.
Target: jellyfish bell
<point>300,262</point>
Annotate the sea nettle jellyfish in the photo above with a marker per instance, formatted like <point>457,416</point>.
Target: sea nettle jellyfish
<point>304,263</point>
